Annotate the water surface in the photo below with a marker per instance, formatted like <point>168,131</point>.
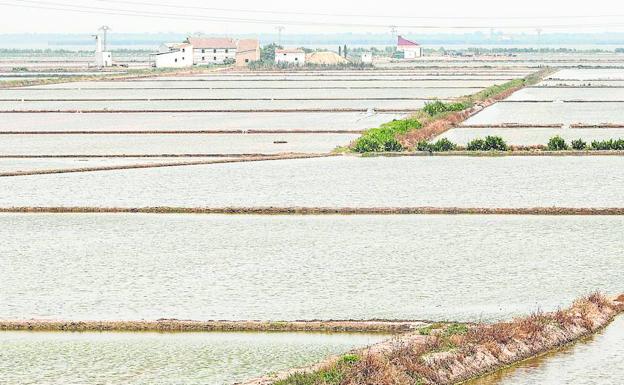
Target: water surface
<point>193,121</point>
<point>163,359</point>
<point>140,266</point>
<point>596,361</point>
<point>157,144</point>
<point>344,181</point>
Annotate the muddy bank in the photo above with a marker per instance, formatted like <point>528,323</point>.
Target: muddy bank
<point>160,132</point>
<point>546,211</point>
<point>537,150</point>
<point>258,158</point>
<point>512,125</point>
<point>454,353</point>
<point>175,325</point>
<point>120,111</point>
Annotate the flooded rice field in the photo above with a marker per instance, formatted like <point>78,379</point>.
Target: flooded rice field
<point>203,267</point>
<point>163,359</point>
<point>339,182</point>
<point>527,136</point>
<point>244,84</point>
<point>194,121</point>
<point>210,105</point>
<point>226,94</point>
<point>595,361</point>
<point>559,105</point>
<point>156,144</point>
<point>568,94</point>
<point>589,74</point>
<point>550,113</point>
<point>12,165</point>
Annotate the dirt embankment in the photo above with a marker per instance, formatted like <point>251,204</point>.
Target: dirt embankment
<point>175,325</point>
<point>456,353</point>
<point>323,210</point>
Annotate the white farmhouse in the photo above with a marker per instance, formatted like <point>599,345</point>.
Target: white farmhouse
<point>367,57</point>
<point>174,55</point>
<point>208,51</point>
<point>410,49</point>
<point>290,56</point>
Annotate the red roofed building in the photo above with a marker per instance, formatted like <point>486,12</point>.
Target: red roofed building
<point>208,50</point>
<point>410,49</point>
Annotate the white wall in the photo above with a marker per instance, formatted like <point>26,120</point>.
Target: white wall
<point>295,58</point>
<point>103,59</point>
<point>207,56</point>
<point>175,59</point>
<point>412,52</point>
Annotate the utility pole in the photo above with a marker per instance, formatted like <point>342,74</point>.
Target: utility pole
<point>279,28</point>
<point>393,31</point>
<point>104,29</point>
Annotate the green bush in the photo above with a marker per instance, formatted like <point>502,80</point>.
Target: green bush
<point>490,143</point>
<point>378,140</point>
<point>495,143</point>
<point>443,145</point>
<point>477,144</point>
<point>423,145</point>
<point>557,143</point>
<point>579,144</point>
<point>611,144</point>
<point>439,107</point>
<point>384,138</point>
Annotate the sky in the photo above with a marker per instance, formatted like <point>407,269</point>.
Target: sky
<point>319,16</point>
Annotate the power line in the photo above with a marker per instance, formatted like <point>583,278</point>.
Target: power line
<point>277,12</point>
<point>176,16</point>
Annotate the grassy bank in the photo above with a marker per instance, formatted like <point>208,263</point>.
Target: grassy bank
<point>437,117</point>
<point>453,353</point>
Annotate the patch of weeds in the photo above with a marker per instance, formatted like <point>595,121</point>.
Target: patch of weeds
<point>455,329</point>
<point>330,376</point>
<point>350,358</point>
<point>425,331</point>
<point>438,107</point>
<point>378,140</point>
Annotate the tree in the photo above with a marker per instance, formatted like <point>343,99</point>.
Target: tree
<point>267,53</point>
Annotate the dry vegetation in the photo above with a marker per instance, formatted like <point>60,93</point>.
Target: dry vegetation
<point>322,210</point>
<point>175,325</point>
<point>455,353</point>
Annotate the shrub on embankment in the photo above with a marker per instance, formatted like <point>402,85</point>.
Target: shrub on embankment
<point>557,143</point>
<point>436,117</point>
<point>455,353</point>
<point>490,143</point>
<point>384,138</point>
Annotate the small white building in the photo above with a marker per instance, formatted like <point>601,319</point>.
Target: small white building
<point>207,51</point>
<point>174,55</point>
<point>290,56</point>
<point>367,57</point>
<point>410,49</point>
<point>102,58</point>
